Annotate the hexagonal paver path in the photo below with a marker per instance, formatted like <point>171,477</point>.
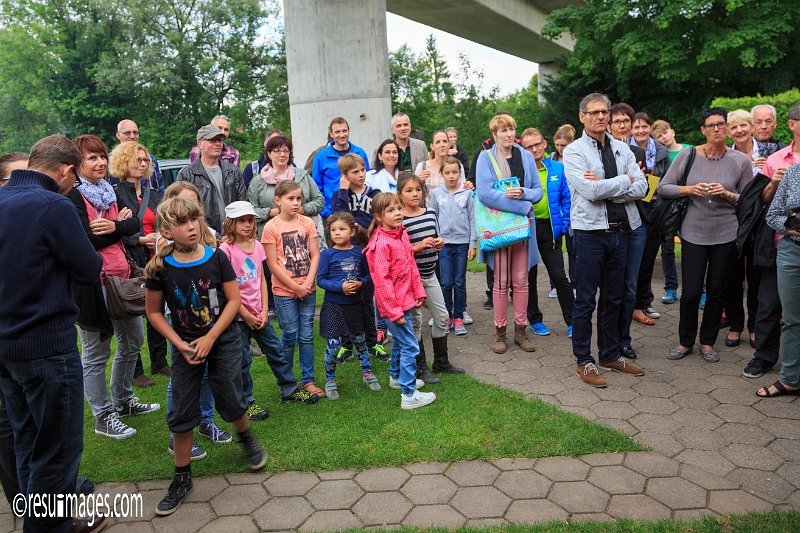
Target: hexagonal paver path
<point>717,449</point>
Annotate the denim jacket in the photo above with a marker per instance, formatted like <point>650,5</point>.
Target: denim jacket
<point>588,211</point>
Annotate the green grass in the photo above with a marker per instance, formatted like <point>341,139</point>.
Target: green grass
<point>469,420</point>
<point>774,522</point>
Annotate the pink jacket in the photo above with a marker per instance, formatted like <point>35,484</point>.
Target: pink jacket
<point>394,272</point>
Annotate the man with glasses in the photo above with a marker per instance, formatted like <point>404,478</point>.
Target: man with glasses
<point>765,120</point>
<point>229,154</point>
<point>219,182</point>
<point>604,181</point>
<point>127,130</point>
<point>552,221</point>
<point>40,369</point>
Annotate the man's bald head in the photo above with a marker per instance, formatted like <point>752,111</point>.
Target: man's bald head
<point>127,130</point>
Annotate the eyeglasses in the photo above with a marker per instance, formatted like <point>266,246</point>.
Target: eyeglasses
<point>534,145</point>
<point>620,121</point>
<point>281,152</point>
<point>142,160</point>
<point>598,113</point>
<point>715,126</point>
<point>77,178</point>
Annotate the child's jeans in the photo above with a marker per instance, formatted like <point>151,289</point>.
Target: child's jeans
<point>206,397</point>
<point>271,347</point>
<point>358,340</point>
<point>453,264</point>
<point>296,318</point>
<point>405,348</point>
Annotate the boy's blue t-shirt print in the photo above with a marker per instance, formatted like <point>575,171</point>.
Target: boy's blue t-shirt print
<point>194,292</point>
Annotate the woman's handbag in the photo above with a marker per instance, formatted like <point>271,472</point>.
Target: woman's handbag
<point>498,229</point>
<point>668,213</point>
<point>125,297</point>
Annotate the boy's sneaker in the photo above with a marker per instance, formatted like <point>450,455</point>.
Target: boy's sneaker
<point>458,326</point>
<point>670,297</point>
<point>467,319</point>
<point>569,331</point>
<point>300,396</point>
<point>756,368</point>
<point>703,301</point>
<point>540,329</point>
<point>371,381</point>
<point>552,294</point>
<point>254,455</point>
<point>211,430</point>
<point>395,384</point>
<point>135,407</point>
<point>417,399</point>
<point>109,425</point>
<point>197,452</point>
<point>381,336</point>
<point>380,352</point>
<point>331,390</point>
<point>256,412</point>
<point>255,350</point>
<point>180,487</point>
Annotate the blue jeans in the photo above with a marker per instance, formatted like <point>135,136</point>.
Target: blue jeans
<point>271,347</point>
<point>296,318</point>
<point>599,264</point>
<point>405,348</point>
<point>359,341</point>
<point>206,397</point>
<point>453,266</point>
<point>788,262</point>
<point>44,400</point>
<point>636,242</point>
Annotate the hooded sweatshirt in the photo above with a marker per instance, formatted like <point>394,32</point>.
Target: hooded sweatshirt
<point>394,272</point>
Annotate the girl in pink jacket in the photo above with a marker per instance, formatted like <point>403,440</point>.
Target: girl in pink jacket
<point>398,290</point>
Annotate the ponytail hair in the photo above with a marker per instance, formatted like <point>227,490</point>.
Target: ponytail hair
<point>379,204</point>
<point>170,213</point>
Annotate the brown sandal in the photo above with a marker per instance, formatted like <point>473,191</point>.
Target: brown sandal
<point>646,320</point>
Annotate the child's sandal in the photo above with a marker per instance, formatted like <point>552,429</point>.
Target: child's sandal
<point>312,388</point>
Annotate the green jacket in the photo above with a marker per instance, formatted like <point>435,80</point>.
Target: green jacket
<point>262,196</point>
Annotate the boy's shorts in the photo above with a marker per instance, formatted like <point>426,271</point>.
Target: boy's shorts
<point>224,378</point>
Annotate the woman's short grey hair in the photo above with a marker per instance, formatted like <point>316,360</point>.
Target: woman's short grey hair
<point>594,97</point>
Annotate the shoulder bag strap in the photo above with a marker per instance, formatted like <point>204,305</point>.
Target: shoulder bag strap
<point>145,200</point>
<point>493,161</point>
<point>688,167</point>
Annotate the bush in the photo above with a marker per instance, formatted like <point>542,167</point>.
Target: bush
<point>782,103</point>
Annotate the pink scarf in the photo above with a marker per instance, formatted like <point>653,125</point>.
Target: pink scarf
<point>272,177</point>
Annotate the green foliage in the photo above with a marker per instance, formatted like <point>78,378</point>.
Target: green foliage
<point>782,103</point>
<point>79,66</point>
<point>672,57</point>
<point>437,95</point>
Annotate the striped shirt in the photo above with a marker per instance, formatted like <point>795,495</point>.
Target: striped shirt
<point>420,228</point>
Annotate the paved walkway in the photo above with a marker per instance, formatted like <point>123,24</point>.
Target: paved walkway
<point>717,449</point>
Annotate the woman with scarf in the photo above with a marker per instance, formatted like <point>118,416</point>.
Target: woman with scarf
<point>657,163</point>
<point>279,166</point>
<point>106,224</point>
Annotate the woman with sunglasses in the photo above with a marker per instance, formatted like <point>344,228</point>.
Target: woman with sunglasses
<point>708,232</point>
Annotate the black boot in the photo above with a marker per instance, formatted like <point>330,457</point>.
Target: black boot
<point>441,361</point>
<point>423,372</point>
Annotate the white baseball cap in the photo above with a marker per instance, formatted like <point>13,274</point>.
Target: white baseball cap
<point>239,209</point>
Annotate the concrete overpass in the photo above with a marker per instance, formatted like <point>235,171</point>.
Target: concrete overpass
<point>337,56</point>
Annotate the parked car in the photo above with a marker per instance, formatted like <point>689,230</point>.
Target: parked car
<point>170,168</point>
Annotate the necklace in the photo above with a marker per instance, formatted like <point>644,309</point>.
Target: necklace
<point>185,249</point>
<point>714,158</point>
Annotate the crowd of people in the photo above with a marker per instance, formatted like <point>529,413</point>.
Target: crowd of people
<point>224,251</point>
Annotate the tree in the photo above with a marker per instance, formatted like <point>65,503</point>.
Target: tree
<point>672,57</point>
<point>169,64</point>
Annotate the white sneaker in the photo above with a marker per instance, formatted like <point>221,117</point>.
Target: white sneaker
<point>418,399</point>
<point>467,319</point>
<point>395,384</point>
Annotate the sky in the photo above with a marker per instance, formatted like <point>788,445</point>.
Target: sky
<point>510,73</point>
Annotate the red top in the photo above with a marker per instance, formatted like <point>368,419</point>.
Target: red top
<point>394,272</point>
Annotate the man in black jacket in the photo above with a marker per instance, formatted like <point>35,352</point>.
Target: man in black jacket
<point>40,369</point>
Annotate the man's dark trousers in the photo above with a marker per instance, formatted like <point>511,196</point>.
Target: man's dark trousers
<point>45,407</point>
<point>553,259</point>
<point>600,264</point>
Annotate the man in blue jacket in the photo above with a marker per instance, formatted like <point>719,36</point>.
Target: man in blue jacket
<point>40,369</point>
<point>326,164</point>
<point>552,222</point>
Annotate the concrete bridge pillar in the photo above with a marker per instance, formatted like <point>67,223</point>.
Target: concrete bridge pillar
<point>547,71</point>
<point>337,61</point>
